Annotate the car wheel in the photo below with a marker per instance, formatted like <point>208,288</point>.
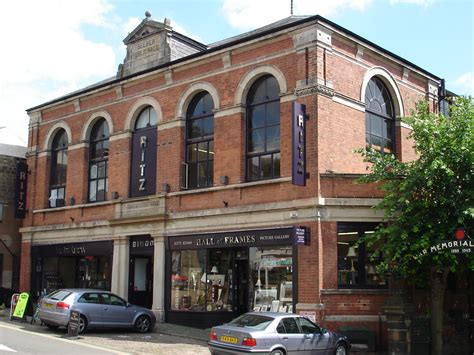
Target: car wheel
<point>51,326</point>
<point>82,325</point>
<point>340,349</point>
<point>143,324</point>
<point>278,352</point>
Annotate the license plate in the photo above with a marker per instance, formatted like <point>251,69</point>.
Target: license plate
<point>48,305</point>
<point>228,339</point>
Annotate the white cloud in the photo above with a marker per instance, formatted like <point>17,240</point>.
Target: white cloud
<point>45,54</point>
<point>464,84</point>
<point>249,14</point>
<point>413,2</point>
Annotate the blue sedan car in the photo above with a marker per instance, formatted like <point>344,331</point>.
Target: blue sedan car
<point>98,308</point>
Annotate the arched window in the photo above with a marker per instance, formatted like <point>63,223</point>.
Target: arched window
<point>57,188</point>
<point>263,130</point>
<point>98,161</point>
<point>143,169</point>
<point>200,141</point>
<point>147,118</point>
<point>379,117</point>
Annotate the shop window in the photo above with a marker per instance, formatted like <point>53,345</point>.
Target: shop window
<point>271,284</point>
<point>99,161</point>
<point>355,266</point>
<point>58,169</point>
<point>379,117</point>
<point>200,142</point>
<point>263,130</point>
<point>203,280</point>
<point>188,280</point>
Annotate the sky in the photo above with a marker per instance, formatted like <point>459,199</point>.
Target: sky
<point>53,47</point>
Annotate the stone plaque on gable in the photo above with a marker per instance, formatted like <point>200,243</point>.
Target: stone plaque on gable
<point>153,43</point>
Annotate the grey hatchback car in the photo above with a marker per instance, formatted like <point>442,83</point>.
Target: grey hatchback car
<point>275,334</point>
<point>98,308</point>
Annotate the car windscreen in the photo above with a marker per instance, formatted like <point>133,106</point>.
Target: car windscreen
<point>58,295</point>
<point>254,321</point>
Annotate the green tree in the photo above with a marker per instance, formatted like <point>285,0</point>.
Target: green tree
<point>425,200</point>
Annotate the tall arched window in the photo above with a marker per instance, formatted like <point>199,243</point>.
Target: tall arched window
<point>379,117</point>
<point>98,161</point>
<point>143,169</point>
<point>263,130</point>
<point>200,141</point>
<point>57,188</point>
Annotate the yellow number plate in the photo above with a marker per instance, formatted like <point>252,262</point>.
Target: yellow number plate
<point>228,339</point>
<point>48,305</point>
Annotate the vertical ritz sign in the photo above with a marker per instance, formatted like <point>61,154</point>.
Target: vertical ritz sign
<point>299,145</point>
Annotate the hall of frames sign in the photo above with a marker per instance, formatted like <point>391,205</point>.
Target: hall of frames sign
<point>246,238</point>
<point>143,171</point>
<point>299,144</point>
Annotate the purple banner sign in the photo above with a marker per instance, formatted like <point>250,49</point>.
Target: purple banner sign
<point>20,189</point>
<point>299,145</point>
<point>143,172</point>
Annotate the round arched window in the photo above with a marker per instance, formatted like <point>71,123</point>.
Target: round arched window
<point>263,129</point>
<point>200,141</point>
<point>379,117</point>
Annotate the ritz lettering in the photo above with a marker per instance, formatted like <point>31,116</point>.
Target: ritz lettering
<point>300,147</point>
<point>142,165</point>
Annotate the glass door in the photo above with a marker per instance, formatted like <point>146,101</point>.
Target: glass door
<point>141,281</point>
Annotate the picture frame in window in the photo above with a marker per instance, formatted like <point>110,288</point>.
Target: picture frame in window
<point>265,296</point>
<point>275,306</point>
<point>283,309</point>
<point>264,308</point>
<point>256,309</point>
<point>286,291</point>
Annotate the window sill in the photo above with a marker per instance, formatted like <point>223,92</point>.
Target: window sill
<point>83,205</point>
<point>233,186</point>
<point>350,291</point>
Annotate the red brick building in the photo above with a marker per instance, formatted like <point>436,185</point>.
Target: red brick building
<point>171,183</point>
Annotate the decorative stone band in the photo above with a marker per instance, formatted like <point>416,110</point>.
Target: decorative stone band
<point>318,88</point>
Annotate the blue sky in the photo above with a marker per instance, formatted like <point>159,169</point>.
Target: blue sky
<point>53,47</point>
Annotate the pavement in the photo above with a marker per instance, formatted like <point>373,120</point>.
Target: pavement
<point>166,338</point>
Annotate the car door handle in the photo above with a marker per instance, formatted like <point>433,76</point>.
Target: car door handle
<point>106,309</point>
<point>285,338</point>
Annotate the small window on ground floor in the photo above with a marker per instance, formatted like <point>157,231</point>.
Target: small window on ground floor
<point>355,267</point>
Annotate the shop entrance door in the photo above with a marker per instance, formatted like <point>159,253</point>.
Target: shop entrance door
<point>140,291</point>
<point>241,289</point>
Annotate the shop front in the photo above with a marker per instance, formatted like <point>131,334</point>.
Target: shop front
<point>212,278</point>
<point>78,265</point>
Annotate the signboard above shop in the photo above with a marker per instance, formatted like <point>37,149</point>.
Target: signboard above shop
<point>247,238</point>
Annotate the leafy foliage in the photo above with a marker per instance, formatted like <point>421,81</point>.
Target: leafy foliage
<point>426,199</point>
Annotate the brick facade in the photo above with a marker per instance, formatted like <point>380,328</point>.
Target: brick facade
<point>326,74</point>
<point>9,225</point>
